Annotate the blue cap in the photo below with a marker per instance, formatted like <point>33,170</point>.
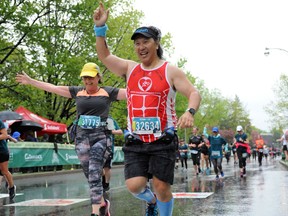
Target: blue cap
<point>215,129</point>
<point>16,135</point>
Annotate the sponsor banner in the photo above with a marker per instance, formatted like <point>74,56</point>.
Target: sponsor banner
<point>29,155</point>
<point>48,202</point>
<point>190,195</point>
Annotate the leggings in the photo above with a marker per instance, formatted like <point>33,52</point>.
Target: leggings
<point>91,149</point>
<point>260,156</point>
<point>242,155</point>
<point>217,164</point>
<point>184,161</point>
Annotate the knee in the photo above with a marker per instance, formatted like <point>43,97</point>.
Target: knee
<point>161,188</point>
<point>136,186</point>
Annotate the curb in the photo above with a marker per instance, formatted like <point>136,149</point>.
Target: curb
<point>52,173</point>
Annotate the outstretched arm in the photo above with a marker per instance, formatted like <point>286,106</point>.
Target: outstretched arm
<point>24,79</point>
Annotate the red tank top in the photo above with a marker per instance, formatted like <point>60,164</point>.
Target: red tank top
<point>150,102</point>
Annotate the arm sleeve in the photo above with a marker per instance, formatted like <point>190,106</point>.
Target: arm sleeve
<point>113,92</point>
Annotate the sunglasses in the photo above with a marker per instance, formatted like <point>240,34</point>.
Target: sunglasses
<point>87,77</point>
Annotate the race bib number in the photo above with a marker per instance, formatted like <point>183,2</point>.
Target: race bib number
<point>215,153</point>
<point>89,122</point>
<point>146,125</point>
<point>244,155</point>
<point>194,151</point>
<point>261,150</point>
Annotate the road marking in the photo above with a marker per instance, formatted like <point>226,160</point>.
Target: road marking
<point>191,195</point>
<point>7,195</point>
<point>48,202</point>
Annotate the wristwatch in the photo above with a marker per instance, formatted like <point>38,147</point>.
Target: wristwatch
<point>191,110</point>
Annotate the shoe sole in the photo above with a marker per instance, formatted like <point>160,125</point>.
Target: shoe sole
<point>108,208</point>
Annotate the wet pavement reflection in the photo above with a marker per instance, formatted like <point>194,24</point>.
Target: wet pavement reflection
<point>262,192</point>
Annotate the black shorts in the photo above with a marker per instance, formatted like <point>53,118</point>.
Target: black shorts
<point>285,148</point>
<point>108,163</point>
<point>204,152</point>
<point>4,157</point>
<point>196,159</point>
<point>150,160</point>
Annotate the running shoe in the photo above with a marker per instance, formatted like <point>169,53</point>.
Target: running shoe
<point>217,177</point>
<point>222,174</point>
<point>12,192</point>
<point>151,210</point>
<point>105,210</point>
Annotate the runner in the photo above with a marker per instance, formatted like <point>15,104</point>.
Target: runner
<point>152,84</point>
<point>4,159</point>
<point>254,152</point>
<point>284,140</point>
<point>205,156</point>
<point>227,152</point>
<point>266,152</point>
<point>183,150</point>
<point>259,145</point>
<point>216,144</point>
<point>242,144</point>
<point>113,129</point>
<point>92,141</point>
<point>234,151</point>
<point>195,143</point>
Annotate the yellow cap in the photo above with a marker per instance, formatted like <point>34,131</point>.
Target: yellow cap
<point>90,69</point>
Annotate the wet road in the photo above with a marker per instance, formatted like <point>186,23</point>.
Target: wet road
<point>264,191</point>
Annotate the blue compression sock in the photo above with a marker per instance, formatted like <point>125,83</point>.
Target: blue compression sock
<point>166,208</point>
<point>146,195</point>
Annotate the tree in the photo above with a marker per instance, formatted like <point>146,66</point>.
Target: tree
<point>277,109</point>
<point>54,39</point>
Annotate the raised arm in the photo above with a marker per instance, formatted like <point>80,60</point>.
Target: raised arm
<point>24,79</point>
<point>114,64</point>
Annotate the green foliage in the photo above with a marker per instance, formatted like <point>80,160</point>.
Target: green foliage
<point>277,109</point>
<point>52,40</point>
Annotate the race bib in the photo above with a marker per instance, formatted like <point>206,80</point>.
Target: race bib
<point>260,150</point>
<point>89,122</point>
<point>194,151</point>
<point>146,125</point>
<point>244,155</point>
<point>215,153</point>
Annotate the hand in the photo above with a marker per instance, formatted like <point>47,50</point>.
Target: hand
<point>186,120</point>
<point>100,15</point>
<point>23,78</point>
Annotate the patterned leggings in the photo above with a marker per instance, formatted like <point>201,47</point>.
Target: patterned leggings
<point>91,149</point>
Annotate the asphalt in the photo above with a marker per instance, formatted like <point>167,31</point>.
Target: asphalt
<point>65,193</point>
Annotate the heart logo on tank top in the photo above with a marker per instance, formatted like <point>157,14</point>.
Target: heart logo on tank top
<point>145,84</point>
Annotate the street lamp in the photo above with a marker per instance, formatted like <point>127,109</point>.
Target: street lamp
<point>266,53</point>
